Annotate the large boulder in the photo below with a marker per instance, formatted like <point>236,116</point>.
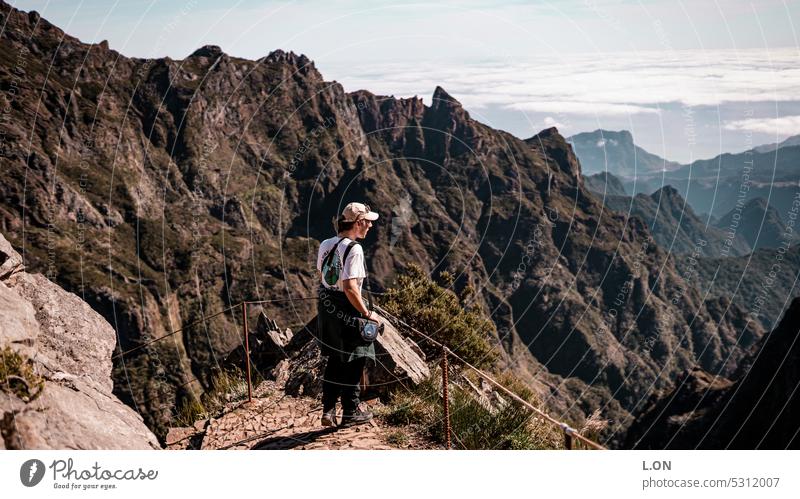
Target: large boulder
<point>398,361</point>
<point>397,358</point>
<point>10,260</point>
<point>18,326</point>
<point>73,338</point>
<point>66,348</point>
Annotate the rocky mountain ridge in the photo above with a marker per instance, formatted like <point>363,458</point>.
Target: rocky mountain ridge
<point>164,191</point>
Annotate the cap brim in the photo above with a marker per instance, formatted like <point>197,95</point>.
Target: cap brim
<point>371,215</point>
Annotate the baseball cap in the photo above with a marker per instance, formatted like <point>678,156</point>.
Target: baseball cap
<point>356,211</point>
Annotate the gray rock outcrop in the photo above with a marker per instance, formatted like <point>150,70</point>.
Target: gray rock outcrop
<point>70,347</point>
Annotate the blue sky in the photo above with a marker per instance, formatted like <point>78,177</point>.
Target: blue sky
<point>690,79</point>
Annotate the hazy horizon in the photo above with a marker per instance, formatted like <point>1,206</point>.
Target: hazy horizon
<point>684,92</point>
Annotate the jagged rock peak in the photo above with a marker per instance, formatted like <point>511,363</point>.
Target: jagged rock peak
<point>549,137</point>
<point>442,99</point>
<point>547,133</point>
<point>758,203</point>
<point>208,51</point>
<point>288,57</point>
<point>31,18</point>
<point>556,145</point>
<point>379,112</point>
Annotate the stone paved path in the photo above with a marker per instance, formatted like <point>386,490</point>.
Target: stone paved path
<point>275,420</point>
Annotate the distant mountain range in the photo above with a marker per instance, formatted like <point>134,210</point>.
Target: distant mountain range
<point>759,224</point>
<point>715,186</point>
<point>791,141</point>
<point>677,228</point>
<point>616,153</point>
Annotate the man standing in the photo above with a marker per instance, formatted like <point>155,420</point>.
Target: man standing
<point>340,262</point>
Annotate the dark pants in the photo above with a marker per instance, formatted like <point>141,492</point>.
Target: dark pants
<point>342,378</point>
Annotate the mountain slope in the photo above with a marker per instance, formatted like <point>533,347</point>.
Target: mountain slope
<point>164,191</point>
<point>757,411</point>
<point>604,184</point>
<point>720,184</point>
<point>794,140</point>
<point>759,224</point>
<point>763,283</point>
<point>717,185</point>
<point>675,226</point>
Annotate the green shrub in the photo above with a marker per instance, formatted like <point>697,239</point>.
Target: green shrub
<point>227,385</point>
<point>397,438</point>
<point>439,313</point>
<point>473,426</point>
<point>17,376</point>
<point>189,411</point>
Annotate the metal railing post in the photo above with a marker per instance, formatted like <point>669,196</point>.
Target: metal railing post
<point>247,352</point>
<point>567,436</point>
<point>445,397</point>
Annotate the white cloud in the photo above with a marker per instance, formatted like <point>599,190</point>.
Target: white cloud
<point>549,121</point>
<point>780,127</point>
<point>597,84</point>
<point>597,108</point>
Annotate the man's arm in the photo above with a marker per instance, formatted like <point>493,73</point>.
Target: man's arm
<point>350,287</point>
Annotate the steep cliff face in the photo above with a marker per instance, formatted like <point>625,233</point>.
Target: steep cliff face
<point>758,410</point>
<point>163,191</point>
<point>56,369</point>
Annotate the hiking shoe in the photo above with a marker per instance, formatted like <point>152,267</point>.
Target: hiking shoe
<point>329,417</point>
<point>350,418</point>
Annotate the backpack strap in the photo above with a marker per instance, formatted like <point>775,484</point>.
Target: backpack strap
<point>347,251</point>
<point>332,252</point>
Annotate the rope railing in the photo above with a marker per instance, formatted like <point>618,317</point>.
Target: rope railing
<point>570,434</point>
<point>244,305</point>
<point>198,321</point>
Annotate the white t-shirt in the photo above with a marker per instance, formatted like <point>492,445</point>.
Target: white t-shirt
<point>355,266</point>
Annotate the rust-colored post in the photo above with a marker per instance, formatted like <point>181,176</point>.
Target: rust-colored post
<point>445,398</point>
<point>247,352</point>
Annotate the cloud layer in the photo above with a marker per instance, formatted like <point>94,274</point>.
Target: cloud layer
<point>784,125</point>
<point>599,84</point>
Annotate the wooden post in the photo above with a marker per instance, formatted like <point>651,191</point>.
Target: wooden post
<point>247,352</point>
<point>445,398</point>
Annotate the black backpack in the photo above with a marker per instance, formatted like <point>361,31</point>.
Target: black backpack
<point>330,269</point>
